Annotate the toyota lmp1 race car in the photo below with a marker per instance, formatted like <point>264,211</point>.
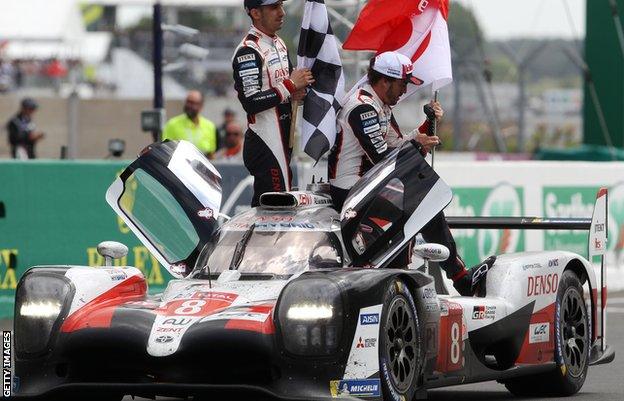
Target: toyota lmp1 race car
<point>294,300</point>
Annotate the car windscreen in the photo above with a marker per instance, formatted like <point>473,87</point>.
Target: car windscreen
<point>269,252</point>
<point>159,216</point>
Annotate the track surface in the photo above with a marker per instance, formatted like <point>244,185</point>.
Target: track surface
<point>604,382</point>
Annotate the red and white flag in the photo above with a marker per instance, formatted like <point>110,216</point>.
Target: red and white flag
<point>417,29</point>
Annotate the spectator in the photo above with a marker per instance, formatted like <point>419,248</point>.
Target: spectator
<point>7,73</point>
<point>55,71</point>
<point>191,126</point>
<point>22,133</point>
<point>229,116</point>
<point>233,149</point>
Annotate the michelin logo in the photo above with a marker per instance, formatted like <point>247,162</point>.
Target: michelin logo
<point>357,388</point>
<point>369,318</point>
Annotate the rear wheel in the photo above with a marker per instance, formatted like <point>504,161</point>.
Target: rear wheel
<point>572,337</point>
<point>400,347</point>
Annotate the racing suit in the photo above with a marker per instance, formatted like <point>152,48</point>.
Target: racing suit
<point>261,77</point>
<point>368,132</point>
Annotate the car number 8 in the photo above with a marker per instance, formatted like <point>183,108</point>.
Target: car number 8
<point>455,349</point>
<point>190,307</point>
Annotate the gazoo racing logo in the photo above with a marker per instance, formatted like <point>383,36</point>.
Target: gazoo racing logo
<point>502,201</point>
<point>481,312</point>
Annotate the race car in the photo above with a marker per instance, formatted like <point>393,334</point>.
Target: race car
<point>294,300</point>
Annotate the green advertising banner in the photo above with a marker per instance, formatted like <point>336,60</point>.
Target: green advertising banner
<point>578,201</point>
<point>56,214</point>
<point>502,200</point>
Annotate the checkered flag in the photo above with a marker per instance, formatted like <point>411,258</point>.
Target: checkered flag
<point>318,50</point>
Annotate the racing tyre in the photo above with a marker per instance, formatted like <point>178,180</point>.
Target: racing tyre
<point>572,343</point>
<point>400,344</point>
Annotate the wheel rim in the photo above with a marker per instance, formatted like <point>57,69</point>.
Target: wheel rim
<point>401,344</point>
<point>575,332</point>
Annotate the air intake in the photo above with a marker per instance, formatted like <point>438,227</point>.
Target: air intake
<point>278,199</point>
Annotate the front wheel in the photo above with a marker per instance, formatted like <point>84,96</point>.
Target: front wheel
<point>572,343</point>
<point>400,346</point>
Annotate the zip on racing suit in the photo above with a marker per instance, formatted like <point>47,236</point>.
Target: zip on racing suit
<point>368,131</point>
<point>261,77</point>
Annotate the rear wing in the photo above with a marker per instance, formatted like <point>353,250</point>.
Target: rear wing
<point>597,246</point>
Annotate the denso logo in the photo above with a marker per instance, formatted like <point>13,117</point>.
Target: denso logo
<point>543,285</point>
<point>369,318</point>
<point>281,73</point>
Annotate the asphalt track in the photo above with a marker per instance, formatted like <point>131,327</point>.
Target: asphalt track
<point>604,382</point>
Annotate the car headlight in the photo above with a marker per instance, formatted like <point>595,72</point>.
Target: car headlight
<point>310,314</point>
<point>40,299</point>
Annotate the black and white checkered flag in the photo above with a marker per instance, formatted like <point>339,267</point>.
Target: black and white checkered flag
<point>318,51</point>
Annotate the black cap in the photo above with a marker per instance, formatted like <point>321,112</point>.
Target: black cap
<point>249,4</point>
<point>229,111</point>
<point>29,103</point>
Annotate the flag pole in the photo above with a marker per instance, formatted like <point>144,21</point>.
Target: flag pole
<point>435,128</point>
<point>293,123</point>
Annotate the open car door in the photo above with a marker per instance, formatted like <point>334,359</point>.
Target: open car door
<point>170,198</point>
<point>389,205</point>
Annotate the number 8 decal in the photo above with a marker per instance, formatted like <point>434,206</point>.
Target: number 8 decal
<point>457,361</point>
<point>455,347</point>
<point>190,307</point>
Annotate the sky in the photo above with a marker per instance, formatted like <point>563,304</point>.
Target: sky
<point>503,19</point>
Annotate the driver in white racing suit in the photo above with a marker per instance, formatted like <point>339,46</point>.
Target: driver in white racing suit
<point>368,132</point>
<point>266,84</point>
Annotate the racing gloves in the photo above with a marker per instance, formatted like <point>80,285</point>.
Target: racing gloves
<point>472,282</point>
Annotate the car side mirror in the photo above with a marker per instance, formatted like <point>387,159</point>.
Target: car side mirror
<point>112,250</point>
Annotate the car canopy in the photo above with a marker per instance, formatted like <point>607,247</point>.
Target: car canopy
<point>170,198</point>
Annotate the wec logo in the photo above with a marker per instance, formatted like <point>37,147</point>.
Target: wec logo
<point>539,333</point>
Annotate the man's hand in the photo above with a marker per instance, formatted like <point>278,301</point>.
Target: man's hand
<point>427,142</point>
<point>299,95</point>
<point>301,78</point>
<point>439,111</point>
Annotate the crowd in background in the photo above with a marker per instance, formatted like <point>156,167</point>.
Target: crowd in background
<point>17,74</point>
